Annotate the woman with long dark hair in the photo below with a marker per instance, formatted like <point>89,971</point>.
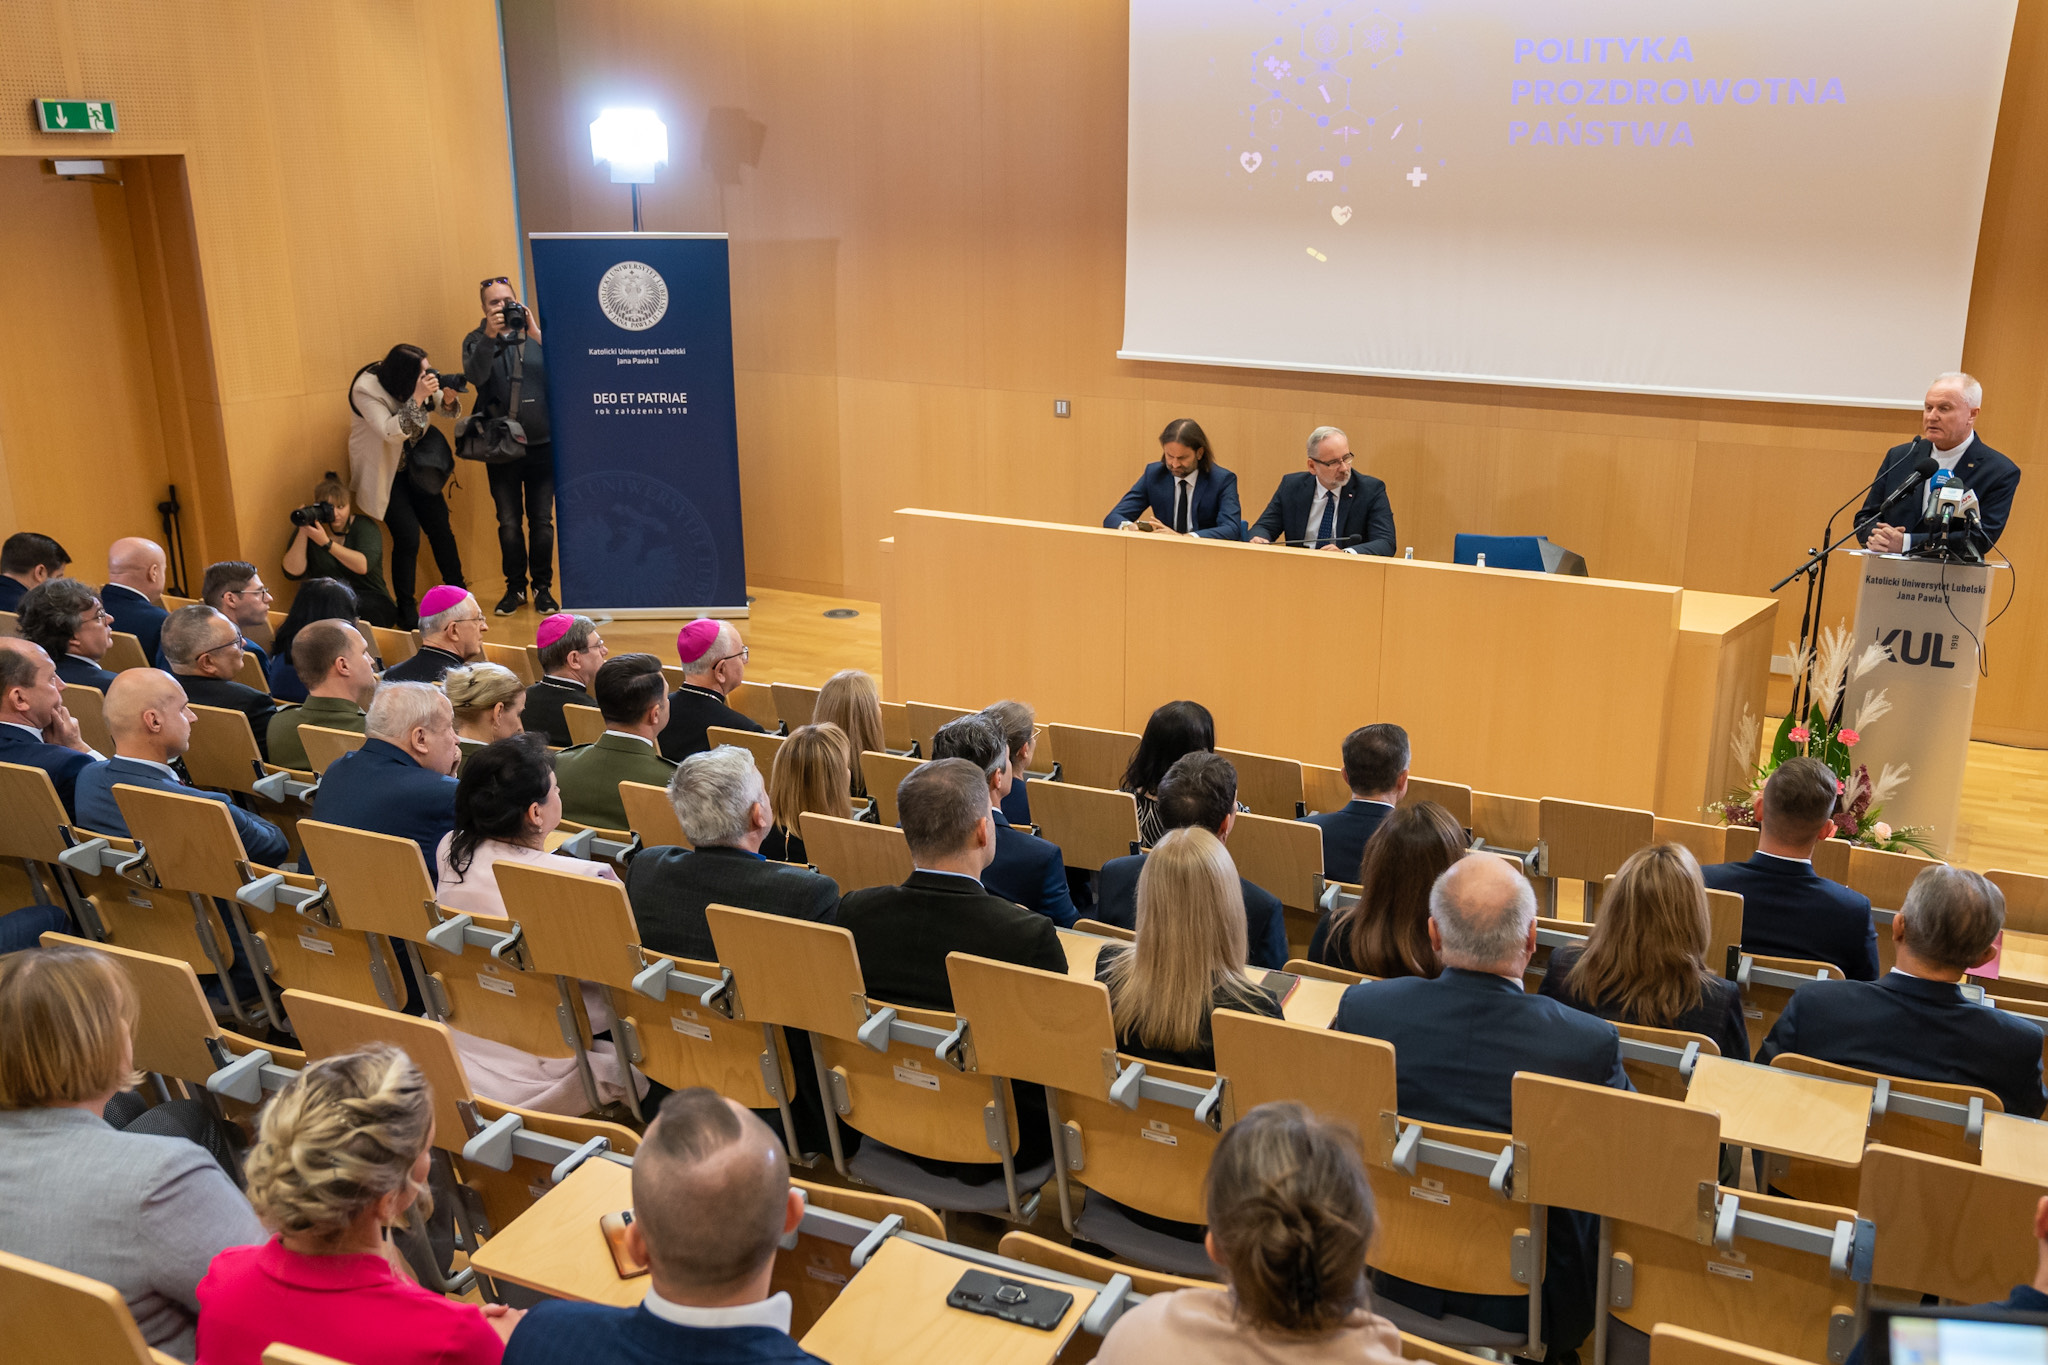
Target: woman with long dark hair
<point>392,401</point>
<point>1387,932</point>
<point>1184,491</point>
<point>1175,730</point>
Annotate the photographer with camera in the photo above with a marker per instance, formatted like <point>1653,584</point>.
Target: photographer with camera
<point>333,542</point>
<point>502,357</point>
<point>399,462</point>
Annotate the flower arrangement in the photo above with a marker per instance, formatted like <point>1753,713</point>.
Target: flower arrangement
<point>1829,670</point>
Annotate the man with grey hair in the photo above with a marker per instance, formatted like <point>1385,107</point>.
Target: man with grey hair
<point>722,805</point>
<point>1914,1021</point>
<point>714,665</point>
<point>452,630</point>
<point>1328,506</point>
<point>399,782</point>
<point>1459,1039</point>
<point>1948,432</point>
<point>204,651</point>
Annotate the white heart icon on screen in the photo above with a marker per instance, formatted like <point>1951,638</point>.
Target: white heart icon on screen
<point>1342,213</point>
<point>1250,161</point>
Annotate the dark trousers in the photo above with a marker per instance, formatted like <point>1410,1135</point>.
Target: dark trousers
<point>409,512</point>
<point>525,489</point>
<point>25,928</point>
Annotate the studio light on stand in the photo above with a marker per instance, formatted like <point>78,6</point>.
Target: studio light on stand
<point>634,141</point>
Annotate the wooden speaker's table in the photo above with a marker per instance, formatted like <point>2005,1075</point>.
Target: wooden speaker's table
<point>1519,683</point>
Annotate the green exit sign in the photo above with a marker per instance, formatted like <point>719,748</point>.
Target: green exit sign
<point>76,116</point>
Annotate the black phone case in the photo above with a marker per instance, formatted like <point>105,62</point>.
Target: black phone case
<point>979,1292</point>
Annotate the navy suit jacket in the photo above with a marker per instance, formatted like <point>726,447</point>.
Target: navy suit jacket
<point>1030,871</point>
<point>381,788</point>
<point>1789,910</point>
<point>62,764</point>
<point>100,812</point>
<point>1265,922</point>
<point>1215,515</point>
<point>1982,470</point>
<point>75,668</point>
<point>11,593</point>
<point>135,615</point>
<point>556,1332</point>
<point>1362,511</point>
<point>1344,834</point>
<point>1924,1030</point>
<point>1017,805</point>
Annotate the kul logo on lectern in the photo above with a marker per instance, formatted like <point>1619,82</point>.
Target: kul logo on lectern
<point>1900,643</point>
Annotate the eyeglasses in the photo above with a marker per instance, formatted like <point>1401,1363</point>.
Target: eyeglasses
<point>250,592</point>
<point>1339,462</point>
<point>742,656</point>
<point>100,616</point>
<point>235,643</point>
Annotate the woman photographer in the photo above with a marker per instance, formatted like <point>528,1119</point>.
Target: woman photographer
<point>336,543</point>
<point>393,402</point>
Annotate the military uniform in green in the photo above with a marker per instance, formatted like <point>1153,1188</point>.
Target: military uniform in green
<point>332,713</point>
<point>590,775</point>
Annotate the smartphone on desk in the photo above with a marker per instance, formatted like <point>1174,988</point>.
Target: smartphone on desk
<point>1033,1305</point>
<point>1282,984</point>
<point>614,1226</point>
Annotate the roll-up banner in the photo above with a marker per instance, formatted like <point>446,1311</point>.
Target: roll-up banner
<point>638,330</point>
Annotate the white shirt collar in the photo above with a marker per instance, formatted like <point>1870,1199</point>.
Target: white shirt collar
<point>637,739</point>
<point>773,1311</point>
<point>1804,862</point>
<point>941,872</point>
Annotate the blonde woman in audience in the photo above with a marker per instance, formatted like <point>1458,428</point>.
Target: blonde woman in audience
<point>1290,1219</point>
<point>1189,957</point>
<point>1019,724</point>
<point>507,803</point>
<point>342,1156</point>
<point>809,775</point>
<point>850,700</point>
<point>1645,961</point>
<point>142,1211</point>
<point>1386,933</point>
<point>489,702</point>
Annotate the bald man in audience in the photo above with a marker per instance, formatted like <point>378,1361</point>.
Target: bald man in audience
<point>35,729</point>
<point>134,590</point>
<point>334,659</point>
<point>1459,1039</point>
<point>204,650</point>
<point>1914,1021</point>
<point>711,1201</point>
<point>714,665</point>
<point>150,719</point>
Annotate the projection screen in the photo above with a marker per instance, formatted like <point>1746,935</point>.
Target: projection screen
<point>1767,199</point>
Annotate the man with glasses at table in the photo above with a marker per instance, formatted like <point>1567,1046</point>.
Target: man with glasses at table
<point>714,664</point>
<point>1329,505</point>
<point>204,650</point>
<point>525,487</point>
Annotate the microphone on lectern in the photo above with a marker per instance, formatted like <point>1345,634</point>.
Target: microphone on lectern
<point>1926,469</point>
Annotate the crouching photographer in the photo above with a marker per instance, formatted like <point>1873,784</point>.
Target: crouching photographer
<point>331,541</point>
<point>399,462</point>
<point>507,429</point>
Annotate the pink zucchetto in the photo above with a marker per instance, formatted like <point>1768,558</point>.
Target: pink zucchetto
<point>553,629</point>
<point>692,640</point>
<point>440,598</point>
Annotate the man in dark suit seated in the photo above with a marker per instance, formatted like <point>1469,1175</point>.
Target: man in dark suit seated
<point>1915,1022</point>
<point>634,701</point>
<point>134,590</point>
<point>204,651</point>
<point>34,726</point>
<point>1376,767</point>
<point>722,805</point>
<point>903,933</point>
<point>1184,491</point>
<point>571,652</point>
<point>1328,506</point>
<point>398,782</point>
<point>452,630</point>
<point>65,617</point>
<point>1948,432</point>
<point>714,665</point>
<point>1788,909</point>
<point>1199,789</point>
<point>28,559</point>
<point>1459,1039</point>
<point>234,588</point>
<point>711,1198</point>
<point>1026,869</point>
<point>151,722</point>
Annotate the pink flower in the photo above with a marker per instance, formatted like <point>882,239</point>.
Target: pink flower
<point>1881,830</point>
<point>1799,734</point>
<point>1849,738</point>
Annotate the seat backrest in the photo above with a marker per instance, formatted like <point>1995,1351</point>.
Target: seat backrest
<point>896,725</point>
<point>1283,856</point>
<point>927,719</point>
<point>1762,1004</point>
<point>1587,841</point>
<point>1742,842</point>
<point>1724,928</point>
<point>1708,844</point>
<point>1322,971</point>
<point>1270,786</point>
<point>1041,1027</point>
<point>586,723</point>
<point>1454,797</point>
<point>378,882</point>
<point>2026,900</point>
<point>1943,1227</point>
<point>54,1317</point>
<point>762,747</point>
<point>251,674</point>
<point>1662,1081</point>
<point>1894,1129</point>
<point>172,1023</point>
<point>1089,757</point>
<point>1831,859</point>
<point>1507,821</point>
<point>1090,824</point>
<point>1324,789</point>
<point>1035,1250</point>
<point>791,972</point>
<point>88,706</point>
<point>514,657</point>
<point>1615,1154</point>
<point>32,818</point>
<point>323,745</point>
<point>575,926</point>
<point>125,653</point>
<point>223,755</point>
<point>10,624</point>
<point>329,1028</point>
<point>794,705</point>
<point>1884,877</point>
<point>1671,1345</point>
<point>393,646</point>
<point>1341,1076</point>
<point>905,1097</point>
<point>652,817</point>
<point>855,854</point>
<point>192,841</point>
<point>1101,930</point>
<point>881,774</point>
<point>755,701</point>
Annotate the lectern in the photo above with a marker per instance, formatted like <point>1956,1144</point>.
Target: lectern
<point>1931,616</point>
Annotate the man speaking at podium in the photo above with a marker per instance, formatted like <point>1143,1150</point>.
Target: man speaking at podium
<point>1328,506</point>
<point>1948,422</point>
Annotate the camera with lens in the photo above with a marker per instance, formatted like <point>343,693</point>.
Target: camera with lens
<point>514,316</point>
<point>315,514</point>
<point>454,383</point>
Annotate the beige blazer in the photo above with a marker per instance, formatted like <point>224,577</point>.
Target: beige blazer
<point>377,432</point>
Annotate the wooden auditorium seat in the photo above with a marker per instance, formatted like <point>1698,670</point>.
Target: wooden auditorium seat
<point>1270,786</point>
<point>323,745</point>
<point>1090,757</point>
<point>54,1317</point>
<point>881,774</point>
<point>1965,1233</point>
<point>1090,824</point>
<point>927,719</point>
<point>125,653</point>
<point>652,817</point>
<point>794,705</point>
<point>854,853</point>
<point>586,723</point>
<point>87,706</point>
<point>762,747</point>
<point>1588,842</point>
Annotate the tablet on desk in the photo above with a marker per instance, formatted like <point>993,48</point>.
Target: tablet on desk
<point>1922,1334</point>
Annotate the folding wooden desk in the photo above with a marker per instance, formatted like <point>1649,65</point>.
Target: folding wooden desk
<point>1785,1112</point>
<point>895,1310</point>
